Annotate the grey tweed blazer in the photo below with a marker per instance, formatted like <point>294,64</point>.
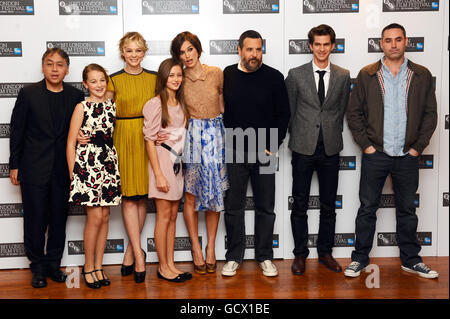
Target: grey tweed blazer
<point>307,114</point>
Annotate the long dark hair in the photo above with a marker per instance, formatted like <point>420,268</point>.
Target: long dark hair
<point>161,90</point>
<point>177,42</point>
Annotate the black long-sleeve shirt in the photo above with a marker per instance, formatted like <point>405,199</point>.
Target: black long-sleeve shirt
<point>256,100</point>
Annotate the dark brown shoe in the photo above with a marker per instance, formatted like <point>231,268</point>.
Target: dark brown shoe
<point>298,266</point>
<point>330,263</point>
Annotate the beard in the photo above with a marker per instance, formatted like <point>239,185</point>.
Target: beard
<point>252,67</point>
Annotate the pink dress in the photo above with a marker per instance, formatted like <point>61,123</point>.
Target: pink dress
<point>176,132</point>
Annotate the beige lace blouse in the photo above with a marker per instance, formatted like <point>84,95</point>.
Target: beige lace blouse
<point>201,94</point>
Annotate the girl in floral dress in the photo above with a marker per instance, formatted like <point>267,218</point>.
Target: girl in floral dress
<point>94,170</point>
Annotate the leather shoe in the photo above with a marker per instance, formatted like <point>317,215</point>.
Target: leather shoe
<point>330,263</point>
<point>299,265</point>
<point>58,276</point>
<point>38,280</point>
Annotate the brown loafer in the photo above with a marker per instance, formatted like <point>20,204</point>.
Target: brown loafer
<point>299,265</point>
<point>330,263</point>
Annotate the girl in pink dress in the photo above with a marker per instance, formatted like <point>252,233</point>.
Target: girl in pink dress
<point>166,114</point>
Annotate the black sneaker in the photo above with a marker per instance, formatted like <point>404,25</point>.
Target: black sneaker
<point>422,270</point>
<point>354,269</point>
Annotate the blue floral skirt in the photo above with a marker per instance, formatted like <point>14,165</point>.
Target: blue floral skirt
<point>205,171</point>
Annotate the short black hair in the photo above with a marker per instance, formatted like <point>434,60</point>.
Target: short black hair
<point>252,34</point>
<point>393,26</point>
<point>322,29</point>
<point>60,51</point>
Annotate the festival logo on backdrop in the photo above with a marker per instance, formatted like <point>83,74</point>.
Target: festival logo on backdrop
<point>113,246</point>
<point>250,6</point>
<point>330,6</point>
<point>12,250</point>
<point>415,44</point>
<point>250,241</point>
<point>347,163</point>
<point>170,7</point>
<point>340,240</point>
<point>390,239</point>
<point>79,48</point>
<point>181,244</point>
<point>77,7</point>
<point>410,5</point>
<point>4,130</point>
<point>11,49</point>
<point>11,210</point>
<point>301,46</point>
<point>314,202</point>
<point>227,47</point>
<point>426,161</point>
<point>158,47</point>
<point>4,170</point>
<point>11,90</point>
<point>388,201</point>
<point>17,7</point>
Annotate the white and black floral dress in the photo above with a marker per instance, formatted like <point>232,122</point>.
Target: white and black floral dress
<point>96,180</point>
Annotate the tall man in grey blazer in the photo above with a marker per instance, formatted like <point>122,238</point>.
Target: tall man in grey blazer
<point>318,95</point>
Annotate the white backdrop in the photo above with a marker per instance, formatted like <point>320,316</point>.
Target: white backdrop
<point>92,32</point>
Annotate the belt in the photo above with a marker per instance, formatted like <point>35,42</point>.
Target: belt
<point>129,118</point>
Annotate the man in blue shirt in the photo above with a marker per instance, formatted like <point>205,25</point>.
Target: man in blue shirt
<point>392,116</point>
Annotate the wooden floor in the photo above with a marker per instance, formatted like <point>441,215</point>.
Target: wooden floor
<point>249,283</point>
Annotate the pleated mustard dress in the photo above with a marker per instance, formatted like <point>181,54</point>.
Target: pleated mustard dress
<point>132,91</point>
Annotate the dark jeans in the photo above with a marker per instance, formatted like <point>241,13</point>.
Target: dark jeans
<point>327,168</point>
<point>45,206</point>
<point>263,186</point>
<point>404,171</point>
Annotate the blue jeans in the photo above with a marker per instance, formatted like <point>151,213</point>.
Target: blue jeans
<point>404,171</point>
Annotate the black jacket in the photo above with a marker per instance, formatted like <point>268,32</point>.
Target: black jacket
<point>37,149</point>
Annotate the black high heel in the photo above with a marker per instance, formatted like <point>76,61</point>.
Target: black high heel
<point>139,277</point>
<point>94,285</point>
<point>105,281</point>
<point>128,270</point>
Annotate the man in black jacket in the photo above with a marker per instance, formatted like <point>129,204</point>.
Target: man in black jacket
<point>39,126</point>
<point>256,105</point>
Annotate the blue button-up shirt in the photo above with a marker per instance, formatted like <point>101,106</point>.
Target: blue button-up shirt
<point>395,113</point>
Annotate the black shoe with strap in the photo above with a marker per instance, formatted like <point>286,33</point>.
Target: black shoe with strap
<point>94,285</point>
<point>105,281</point>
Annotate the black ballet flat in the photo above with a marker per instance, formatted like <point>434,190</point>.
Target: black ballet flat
<point>186,275</point>
<point>179,278</point>
<point>105,281</point>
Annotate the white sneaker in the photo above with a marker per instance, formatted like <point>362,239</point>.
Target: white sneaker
<point>229,269</point>
<point>422,270</point>
<point>354,269</point>
<point>269,269</point>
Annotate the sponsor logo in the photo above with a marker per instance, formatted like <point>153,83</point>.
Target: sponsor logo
<point>250,241</point>
<point>445,199</point>
<point>388,201</point>
<point>11,210</point>
<point>410,5</point>
<point>79,48</point>
<point>227,47</point>
<point>79,86</point>
<point>340,240</point>
<point>12,250</point>
<point>347,163</point>
<point>415,44</point>
<point>17,7</point>
<point>330,6</point>
<point>10,49</point>
<point>426,161</point>
<point>250,6</point>
<point>390,239</point>
<point>113,246</point>
<point>181,244</point>
<point>301,46</point>
<point>4,130</point>
<point>170,7</point>
<point>446,121</point>
<point>314,202</point>
<point>98,7</point>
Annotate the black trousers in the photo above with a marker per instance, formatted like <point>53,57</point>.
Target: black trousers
<point>263,186</point>
<point>404,171</point>
<point>303,167</point>
<point>45,206</point>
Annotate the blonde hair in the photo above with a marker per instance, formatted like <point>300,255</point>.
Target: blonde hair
<point>129,37</point>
